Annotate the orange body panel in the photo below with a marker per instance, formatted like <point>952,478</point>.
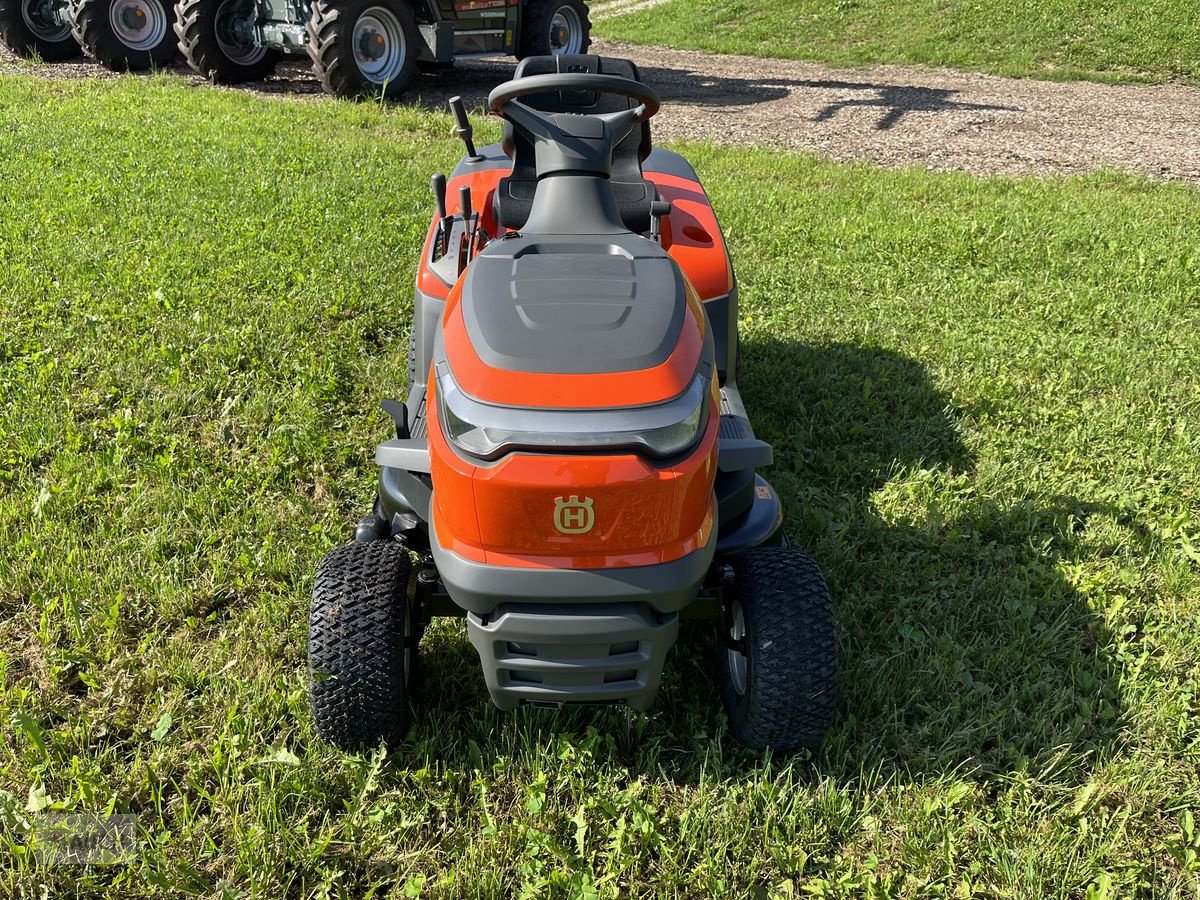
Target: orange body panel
<point>691,233</point>
<point>504,513</point>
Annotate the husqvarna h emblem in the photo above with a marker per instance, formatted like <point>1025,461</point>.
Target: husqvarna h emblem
<point>574,515</point>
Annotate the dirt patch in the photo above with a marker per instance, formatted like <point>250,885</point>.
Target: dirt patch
<point>889,115</point>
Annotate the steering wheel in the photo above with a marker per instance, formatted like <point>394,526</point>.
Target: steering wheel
<point>572,142</point>
<point>510,91</point>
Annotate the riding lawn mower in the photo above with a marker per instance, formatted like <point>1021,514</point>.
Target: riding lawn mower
<point>573,470</point>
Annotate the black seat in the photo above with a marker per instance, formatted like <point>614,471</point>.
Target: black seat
<point>633,193</point>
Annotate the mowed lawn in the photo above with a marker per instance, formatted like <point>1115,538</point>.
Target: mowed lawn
<point>1113,40</point>
<point>983,398</point>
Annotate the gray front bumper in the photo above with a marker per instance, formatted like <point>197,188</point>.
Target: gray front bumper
<point>554,636</point>
<point>582,653</point>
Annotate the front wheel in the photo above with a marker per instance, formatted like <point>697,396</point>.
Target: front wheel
<point>124,35</point>
<point>364,48</point>
<point>217,38</point>
<point>777,651</point>
<point>554,28</point>
<point>38,28</point>
<point>361,645</point>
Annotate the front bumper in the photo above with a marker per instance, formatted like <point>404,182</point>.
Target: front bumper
<point>554,636</point>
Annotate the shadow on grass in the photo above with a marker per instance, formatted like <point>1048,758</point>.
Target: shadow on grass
<point>964,649</point>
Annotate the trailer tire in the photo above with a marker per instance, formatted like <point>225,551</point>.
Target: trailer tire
<point>554,28</point>
<point>361,645</point>
<point>214,43</point>
<point>777,651</point>
<point>28,30</point>
<point>342,36</point>
<point>98,26</point>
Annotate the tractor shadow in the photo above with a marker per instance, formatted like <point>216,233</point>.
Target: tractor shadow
<point>963,648</point>
<point>474,79</point>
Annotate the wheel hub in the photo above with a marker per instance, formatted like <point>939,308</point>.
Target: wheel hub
<point>45,19</point>
<point>380,48</point>
<point>137,24</point>
<point>372,43</point>
<point>235,21</point>
<point>566,32</point>
<point>736,648</point>
<point>134,18</point>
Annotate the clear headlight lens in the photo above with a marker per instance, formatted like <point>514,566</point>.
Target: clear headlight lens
<point>490,431</point>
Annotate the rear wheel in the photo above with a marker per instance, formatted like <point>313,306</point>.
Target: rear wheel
<point>777,651</point>
<point>361,645</point>
<point>554,28</point>
<point>218,40</point>
<point>124,35</point>
<point>364,48</point>
<point>37,28</point>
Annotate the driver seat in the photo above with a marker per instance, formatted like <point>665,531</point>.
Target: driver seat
<point>634,194</point>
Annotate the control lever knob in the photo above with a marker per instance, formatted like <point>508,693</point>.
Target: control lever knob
<point>463,126</point>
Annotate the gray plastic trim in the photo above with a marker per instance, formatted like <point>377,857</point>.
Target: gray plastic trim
<point>577,653</point>
<point>481,588</point>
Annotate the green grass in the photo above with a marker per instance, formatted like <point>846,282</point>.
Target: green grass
<point>983,395</point>
<point>1114,40</point>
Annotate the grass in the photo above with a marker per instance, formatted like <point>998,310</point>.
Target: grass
<point>983,399</point>
<point>1115,40</point>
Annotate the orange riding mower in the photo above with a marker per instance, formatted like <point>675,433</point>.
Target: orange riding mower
<point>573,471</point>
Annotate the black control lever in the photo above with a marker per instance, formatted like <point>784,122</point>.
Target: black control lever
<point>464,201</point>
<point>658,209</point>
<point>439,196</point>
<point>463,129</point>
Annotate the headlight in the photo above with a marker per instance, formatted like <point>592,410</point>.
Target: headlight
<point>490,431</point>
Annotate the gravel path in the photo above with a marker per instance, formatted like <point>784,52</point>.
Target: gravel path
<point>890,115</point>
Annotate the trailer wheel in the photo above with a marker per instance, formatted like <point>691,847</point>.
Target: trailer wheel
<point>122,35</point>
<point>364,47</point>
<point>554,28</point>
<point>217,39</point>
<point>777,651</point>
<point>361,645</point>
<point>37,28</point>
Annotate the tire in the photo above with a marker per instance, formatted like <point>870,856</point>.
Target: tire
<point>359,653</point>
<point>37,28</point>
<point>542,24</point>
<point>103,30</point>
<point>214,40</point>
<point>335,30</point>
<point>786,695</point>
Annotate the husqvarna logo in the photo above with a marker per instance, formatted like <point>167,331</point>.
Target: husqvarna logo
<point>574,515</point>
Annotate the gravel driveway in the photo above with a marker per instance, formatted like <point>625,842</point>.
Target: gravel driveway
<point>890,115</point>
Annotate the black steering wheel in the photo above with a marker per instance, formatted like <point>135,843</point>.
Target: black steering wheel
<point>569,142</point>
<point>510,91</point>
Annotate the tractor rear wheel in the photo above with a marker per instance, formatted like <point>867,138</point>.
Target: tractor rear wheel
<point>777,650</point>
<point>362,645</point>
<point>554,28</point>
<point>124,35</point>
<point>364,48</point>
<point>217,39</point>
<point>37,28</point>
